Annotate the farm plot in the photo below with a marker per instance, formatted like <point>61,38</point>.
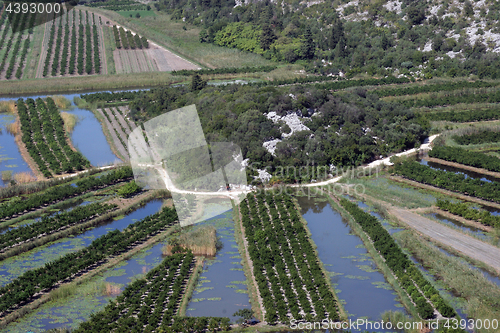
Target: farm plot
<point>117,135</point>
<point>14,46</point>
<point>45,138</point>
<point>32,284</point>
<point>72,45</point>
<point>135,54</point>
<point>151,303</point>
<point>23,203</point>
<point>290,280</point>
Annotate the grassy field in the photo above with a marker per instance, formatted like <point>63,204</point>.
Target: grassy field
<point>160,29</point>
<point>143,13</point>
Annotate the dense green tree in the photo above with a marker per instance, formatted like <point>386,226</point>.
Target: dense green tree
<point>197,83</point>
<point>267,37</point>
<point>308,46</point>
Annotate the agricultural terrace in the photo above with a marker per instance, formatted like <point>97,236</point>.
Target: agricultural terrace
<point>75,44</point>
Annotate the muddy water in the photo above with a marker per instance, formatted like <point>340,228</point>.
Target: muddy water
<point>13,267</point>
<point>90,297</point>
<point>466,173</point>
<point>353,272</point>
<point>221,288</point>
<point>10,157</point>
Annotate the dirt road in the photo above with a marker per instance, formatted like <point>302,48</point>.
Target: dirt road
<point>467,245</point>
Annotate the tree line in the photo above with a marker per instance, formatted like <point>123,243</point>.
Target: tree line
<point>463,156</point>
<point>54,194</point>
<point>464,210</point>
<point>449,180</point>
<point>49,225</point>
<point>421,292</point>
<point>22,290</point>
<point>284,261</point>
<point>484,136</point>
<point>464,116</point>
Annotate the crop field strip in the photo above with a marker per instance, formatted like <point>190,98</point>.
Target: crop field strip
<point>14,46</point>
<point>45,138</point>
<point>151,303</point>
<point>423,295</point>
<point>74,45</point>
<point>290,280</point>
<point>49,225</point>
<point>489,191</point>
<point>21,205</point>
<point>32,284</point>
<point>118,141</point>
<point>466,211</point>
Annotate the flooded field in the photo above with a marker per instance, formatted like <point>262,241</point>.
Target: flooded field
<point>221,288</point>
<point>353,273</point>
<point>15,266</point>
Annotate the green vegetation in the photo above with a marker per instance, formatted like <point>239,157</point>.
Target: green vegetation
<point>463,156</point>
<point>278,243</point>
<point>464,210</point>
<point>482,296</point>
<point>201,240</point>
<point>129,189</point>
<point>420,290</point>
<point>449,180</point>
<point>479,137</point>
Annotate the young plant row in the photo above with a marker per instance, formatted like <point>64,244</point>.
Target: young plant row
<point>19,205</point>
<point>409,276</point>
<point>17,46</point>
<point>449,180</point>
<point>17,25</point>
<point>453,97</point>
<point>464,116</point>
<point>426,88</point>
<point>127,40</point>
<point>45,139</point>
<point>97,58</point>
<point>463,156</point>
<point>286,268</point>
<point>50,225</point>
<point>464,210</point>
<point>485,136</point>
<point>49,51</point>
<point>150,304</point>
<point>23,289</point>
<point>57,51</point>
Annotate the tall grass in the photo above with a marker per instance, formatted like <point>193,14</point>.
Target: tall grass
<point>61,102</point>
<point>7,175</point>
<point>24,177</point>
<point>13,128</point>
<point>8,106</point>
<point>200,240</point>
<point>69,120</point>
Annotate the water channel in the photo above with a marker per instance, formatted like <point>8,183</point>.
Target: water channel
<point>13,267</point>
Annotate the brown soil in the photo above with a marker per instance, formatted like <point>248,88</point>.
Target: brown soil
<point>446,192</point>
<point>464,167</point>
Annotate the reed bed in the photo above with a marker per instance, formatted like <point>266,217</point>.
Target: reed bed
<point>112,289</point>
<point>24,177</point>
<point>13,128</point>
<point>202,241</point>
<point>69,120</point>
<point>61,102</point>
<point>6,175</point>
<point>8,106</point>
